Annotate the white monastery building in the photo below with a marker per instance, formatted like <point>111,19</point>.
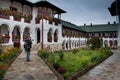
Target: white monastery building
<point>42,22</point>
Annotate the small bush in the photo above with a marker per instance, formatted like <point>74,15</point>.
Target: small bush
<point>56,65</point>
<point>61,55</point>
<point>41,51</point>
<point>44,54</point>
<point>95,42</point>
<point>75,50</point>
<point>106,50</point>
<point>94,59</point>
<point>84,63</point>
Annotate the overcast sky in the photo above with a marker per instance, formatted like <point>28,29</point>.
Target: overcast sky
<point>82,12</point>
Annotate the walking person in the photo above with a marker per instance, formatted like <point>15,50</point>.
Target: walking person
<point>27,47</point>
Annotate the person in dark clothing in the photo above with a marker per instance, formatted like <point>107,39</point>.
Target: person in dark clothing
<point>27,47</point>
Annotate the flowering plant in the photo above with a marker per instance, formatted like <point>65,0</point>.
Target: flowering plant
<point>61,70</point>
<point>28,18</point>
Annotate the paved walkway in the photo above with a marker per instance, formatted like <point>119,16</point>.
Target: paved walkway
<point>108,70</point>
<point>34,70</point>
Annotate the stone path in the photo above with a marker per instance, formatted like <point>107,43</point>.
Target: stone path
<point>36,69</point>
<point>108,70</point>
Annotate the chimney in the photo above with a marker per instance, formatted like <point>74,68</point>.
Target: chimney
<point>84,24</point>
<point>108,22</point>
<point>90,24</point>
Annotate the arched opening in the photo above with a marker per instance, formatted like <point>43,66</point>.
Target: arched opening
<point>56,36</point>
<point>67,45</point>
<point>115,43</point>
<point>38,35</point>
<point>16,36</point>
<point>106,43</point>
<point>4,33</point>
<point>50,35</point>
<point>26,33</point>
<point>111,43</point>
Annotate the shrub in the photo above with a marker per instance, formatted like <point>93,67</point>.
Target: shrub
<point>2,70</point>
<point>61,55</point>
<point>75,50</point>
<point>56,65</point>
<point>61,70</point>
<point>84,63</point>
<point>106,50</point>
<point>45,54</point>
<point>95,59</point>
<point>95,42</point>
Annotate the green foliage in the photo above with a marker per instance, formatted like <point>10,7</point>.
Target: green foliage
<point>61,55</point>
<point>95,42</point>
<point>106,50</point>
<point>56,65</point>
<point>6,58</point>
<point>95,59</point>
<point>17,14</point>
<point>28,18</point>
<point>75,51</point>
<point>44,54</point>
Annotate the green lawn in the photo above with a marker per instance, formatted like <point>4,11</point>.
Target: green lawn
<point>79,61</point>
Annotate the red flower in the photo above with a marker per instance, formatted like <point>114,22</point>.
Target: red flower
<point>0,67</point>
<point>61,70</point>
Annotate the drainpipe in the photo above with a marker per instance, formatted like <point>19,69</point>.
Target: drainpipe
<point>42,29</point>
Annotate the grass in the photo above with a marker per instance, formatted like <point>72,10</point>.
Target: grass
<point>74,62</point>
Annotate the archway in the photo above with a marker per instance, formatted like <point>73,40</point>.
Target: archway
<point>111,43</point>
<point>67,45</point>
<point>16,36</point>
<point>106,43</point>
<point>56,36</point>
<point>49,35</point>
<point>115,43</point>
<point>26,33</point>
<point>38,35</point>
<point>4,33</point>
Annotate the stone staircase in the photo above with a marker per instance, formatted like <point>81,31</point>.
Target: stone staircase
<point>36,47</point>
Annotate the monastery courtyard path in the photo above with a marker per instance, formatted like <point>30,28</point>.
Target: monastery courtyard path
<point>108,70</point>
<point>36,69</point>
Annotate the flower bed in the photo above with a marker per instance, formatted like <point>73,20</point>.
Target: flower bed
<point>75,64</point>
<point>6,58</point>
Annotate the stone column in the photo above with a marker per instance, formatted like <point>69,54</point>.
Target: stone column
<point>21,38</point>
<point>108,39</point>
<point>65,46</point>
<point>10,40</point>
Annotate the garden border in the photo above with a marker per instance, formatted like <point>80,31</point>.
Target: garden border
<point>80,73</point>
<point>75,75</point>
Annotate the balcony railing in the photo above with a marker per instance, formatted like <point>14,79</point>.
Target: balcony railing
<point>51,20</point>
<point>6,13</point>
